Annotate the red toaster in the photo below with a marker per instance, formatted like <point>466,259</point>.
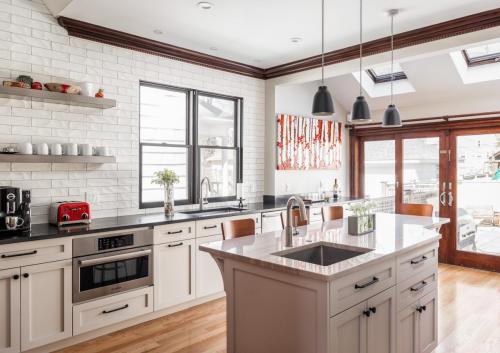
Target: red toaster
<point>69,212</point>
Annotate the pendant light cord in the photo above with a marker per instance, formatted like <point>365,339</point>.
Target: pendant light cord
<point>323,42</point>
<point>360,48</point>
<point>392,57</point>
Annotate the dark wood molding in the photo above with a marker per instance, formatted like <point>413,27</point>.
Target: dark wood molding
<point>455,27</point>
<point>126,40</point>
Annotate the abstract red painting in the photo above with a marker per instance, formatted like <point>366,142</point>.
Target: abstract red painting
<point>306,143</point>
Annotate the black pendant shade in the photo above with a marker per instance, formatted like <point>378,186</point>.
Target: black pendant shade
<point>360,110</point>
<point>322,102</point>
<point>391,117</point>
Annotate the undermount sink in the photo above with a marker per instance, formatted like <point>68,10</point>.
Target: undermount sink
<point>213,211</point>
<point>322,254</point>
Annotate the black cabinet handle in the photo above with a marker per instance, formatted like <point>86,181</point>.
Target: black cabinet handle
<point>20,254</point>
<point>176,232</point>
<point>373,309</point>
<point>421,308</point>
<point>361,286</point>
<point>26,275</point>
<point>417,288</point>
<point>210,227</point>
<point>422,259</point>
<point>113,310</point>
<point>366,313</point>
<point>174,245</point>
<point>15,277</point>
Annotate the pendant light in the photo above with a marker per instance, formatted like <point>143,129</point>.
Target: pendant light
<point>391,114</point>
<point>322,102</point>
<point>360,110</point>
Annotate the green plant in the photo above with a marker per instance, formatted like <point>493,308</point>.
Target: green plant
<point>165,177</point>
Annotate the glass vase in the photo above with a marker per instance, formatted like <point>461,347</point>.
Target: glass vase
<point>169,200</point>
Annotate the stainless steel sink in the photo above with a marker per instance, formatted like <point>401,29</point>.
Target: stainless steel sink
<point>323,254</point>
<point>213,211</point>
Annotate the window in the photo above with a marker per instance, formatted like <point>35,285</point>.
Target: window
<point>382,74</point>
<point>486,54</point>
<point>196,134</point>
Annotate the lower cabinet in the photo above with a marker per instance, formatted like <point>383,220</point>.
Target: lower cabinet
<point>208,275</point>
<point>35,305</point>
<point>417,326</point>
<point>367,327</point>
<point>174,273</point>
<point>271,221</point>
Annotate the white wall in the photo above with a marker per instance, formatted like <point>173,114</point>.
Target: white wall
<point>297,100</point>
<point>31,42</point>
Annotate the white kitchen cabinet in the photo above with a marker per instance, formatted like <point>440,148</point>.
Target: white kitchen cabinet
<point>10,306</point>
<point>208,275</point>
<point>46,303</point>
<point>348,330</point>
<point>174,273</point>
<point>271,221</point>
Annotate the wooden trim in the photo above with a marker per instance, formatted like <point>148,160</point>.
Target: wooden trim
<point>481,60</point>
<point>455,27</point>
<point>387,77</point>
<point>125,40</point>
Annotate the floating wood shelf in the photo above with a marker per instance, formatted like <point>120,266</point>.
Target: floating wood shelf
<point>56,97</point>
<point>34,158</point>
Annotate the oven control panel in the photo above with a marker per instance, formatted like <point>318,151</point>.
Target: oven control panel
<point>115,242</point>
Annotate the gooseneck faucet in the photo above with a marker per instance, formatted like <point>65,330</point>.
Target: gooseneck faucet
<point>204,199</point>
<point>289,217</point>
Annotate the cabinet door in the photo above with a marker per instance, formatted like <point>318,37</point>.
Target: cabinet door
<point>10,294</point>
<point>174,273</point>
<point>406,330</point>
<point>348,331</point>
<point>208,275</point>
<point>381,324</point>
<point>271,221</point>
<point>46,303</point>
<point>427,323</point>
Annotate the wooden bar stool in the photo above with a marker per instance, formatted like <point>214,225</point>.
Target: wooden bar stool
<point>416,209</point>
<point>297,221</point>
<point>330,213</point>
<point>238,228</point>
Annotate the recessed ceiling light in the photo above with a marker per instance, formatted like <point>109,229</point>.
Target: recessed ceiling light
<point>205,5</point>
<point>295,39</point>
<point>257,61</point>
<point>214,48</point>
<point>158,31</point>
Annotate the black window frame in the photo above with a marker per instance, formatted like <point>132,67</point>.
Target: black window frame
<point>480,60</point>
<point>400,75</point>
<point>192,145</point>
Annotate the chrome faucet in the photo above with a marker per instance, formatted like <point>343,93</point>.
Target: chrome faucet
<point>289,217</point>
<point>204,200</point>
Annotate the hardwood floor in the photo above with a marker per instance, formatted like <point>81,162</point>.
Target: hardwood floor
<point>469,322</point>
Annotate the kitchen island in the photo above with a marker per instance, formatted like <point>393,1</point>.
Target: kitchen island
<point>333,292</point>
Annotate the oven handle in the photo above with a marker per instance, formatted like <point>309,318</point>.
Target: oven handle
<point>103,260</point>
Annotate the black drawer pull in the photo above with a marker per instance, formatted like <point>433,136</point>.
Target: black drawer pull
<point>373,309</point>
<point>174,245</point>
<point>15,277</point>
<point>317,214</point>
<point>416,289</point>
<point>422,259</point>
<point>271,215</point>
<point>421,308</point>
<point>209,227</point>
<point>176,232</point>
<point>26,275</point>
<point>361,286</point>
<point>20,254</point>
<point>113,310</point>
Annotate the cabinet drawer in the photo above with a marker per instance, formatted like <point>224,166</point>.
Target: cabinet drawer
<point>34,252</point>
<point>103,312</point>
<point>315,215</point>
<point>174,232</point>
<point>415,261</point>
<point>209,227</point>
<point>414,288</point>
<point>352,289</point>
<point>271,221</point>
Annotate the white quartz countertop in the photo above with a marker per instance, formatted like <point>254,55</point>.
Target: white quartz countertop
<point>394,234</point>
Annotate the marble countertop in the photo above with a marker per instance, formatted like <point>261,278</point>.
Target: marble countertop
<point>394,234</point>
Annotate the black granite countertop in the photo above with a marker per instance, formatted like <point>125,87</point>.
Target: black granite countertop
<point>48,231</point>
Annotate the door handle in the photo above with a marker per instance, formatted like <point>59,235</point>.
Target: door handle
<point>418,288</point>
<point>442,198</point>
<point>6,256</point>
<point>113,310</point>
<point>361,286</point>
<point>120,257</point>
<point>450,198</point>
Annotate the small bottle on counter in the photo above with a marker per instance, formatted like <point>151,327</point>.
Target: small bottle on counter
<point>336,189</point>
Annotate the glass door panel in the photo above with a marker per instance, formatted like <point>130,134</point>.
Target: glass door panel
<point>421,171</point>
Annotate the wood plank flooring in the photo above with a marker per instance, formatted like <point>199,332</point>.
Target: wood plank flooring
<point>469,322</point>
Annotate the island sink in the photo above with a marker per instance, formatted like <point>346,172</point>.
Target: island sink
<point>323,254</point>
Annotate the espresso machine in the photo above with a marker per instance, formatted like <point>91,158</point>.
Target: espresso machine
<point>15,211</point>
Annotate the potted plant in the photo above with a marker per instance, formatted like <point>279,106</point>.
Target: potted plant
<point>167,178</point>
<point>363,220</point>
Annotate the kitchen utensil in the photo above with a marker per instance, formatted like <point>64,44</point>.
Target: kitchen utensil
<point>41,149</point>
<point>70,149</point>
<point>88,89</point>
<point>69,212</point>
<point>101,151</point>
<point>85,149</point>
<point>63,88</point>
<point>56,149</point>
<point>25,148</point>
<point>12,222</point>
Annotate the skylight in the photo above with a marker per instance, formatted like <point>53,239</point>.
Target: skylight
<point>485,54</point>
<point>382,74</point>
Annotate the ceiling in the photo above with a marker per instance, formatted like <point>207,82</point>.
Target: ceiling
<point>258,32</point>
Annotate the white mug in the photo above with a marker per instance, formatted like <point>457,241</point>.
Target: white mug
<point>85,149</point>
<point>55,149</point>
<point>25,148</point>
<point>101,151</point>
<point>70,149</point>
<point>41,149</point>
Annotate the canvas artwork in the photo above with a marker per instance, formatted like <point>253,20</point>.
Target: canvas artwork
<point>306,143</point>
